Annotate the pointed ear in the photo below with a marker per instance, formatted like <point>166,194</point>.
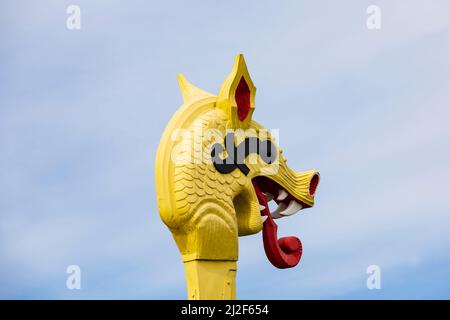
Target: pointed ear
<point>237,95</point>
<point>191,92</point>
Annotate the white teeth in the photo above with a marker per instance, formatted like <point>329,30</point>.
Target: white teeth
<point>276,214</point>
<point>282,195</point>
<point>292,208</point>
<point>261,207</point>
<point>269,196</point>
<point>263,218</point>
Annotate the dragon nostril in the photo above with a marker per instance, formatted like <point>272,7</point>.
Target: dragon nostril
<point>313,184</point>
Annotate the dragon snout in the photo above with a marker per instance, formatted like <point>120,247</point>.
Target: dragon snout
<point>291,196</point>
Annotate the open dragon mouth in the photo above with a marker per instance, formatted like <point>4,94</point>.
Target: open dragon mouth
<point>285,252</point>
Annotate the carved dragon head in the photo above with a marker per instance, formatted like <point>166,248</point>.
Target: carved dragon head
<point>216,171</point>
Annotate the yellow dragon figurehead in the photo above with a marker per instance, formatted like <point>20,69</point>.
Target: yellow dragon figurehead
<point>216,170</point>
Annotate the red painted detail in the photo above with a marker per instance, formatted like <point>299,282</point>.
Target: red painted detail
<point>313,185</point>
<point>285,252</point>
<point>242,97</point>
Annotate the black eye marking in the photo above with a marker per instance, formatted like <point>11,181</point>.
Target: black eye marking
<point>236,155</point>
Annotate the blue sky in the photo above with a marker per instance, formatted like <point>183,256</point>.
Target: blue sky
<point>81,114</point>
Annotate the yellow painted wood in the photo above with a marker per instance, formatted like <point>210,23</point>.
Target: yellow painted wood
<point>205,210</point>
<point>212,280</point>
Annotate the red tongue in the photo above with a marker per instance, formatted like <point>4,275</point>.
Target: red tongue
<point>284,252</point>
